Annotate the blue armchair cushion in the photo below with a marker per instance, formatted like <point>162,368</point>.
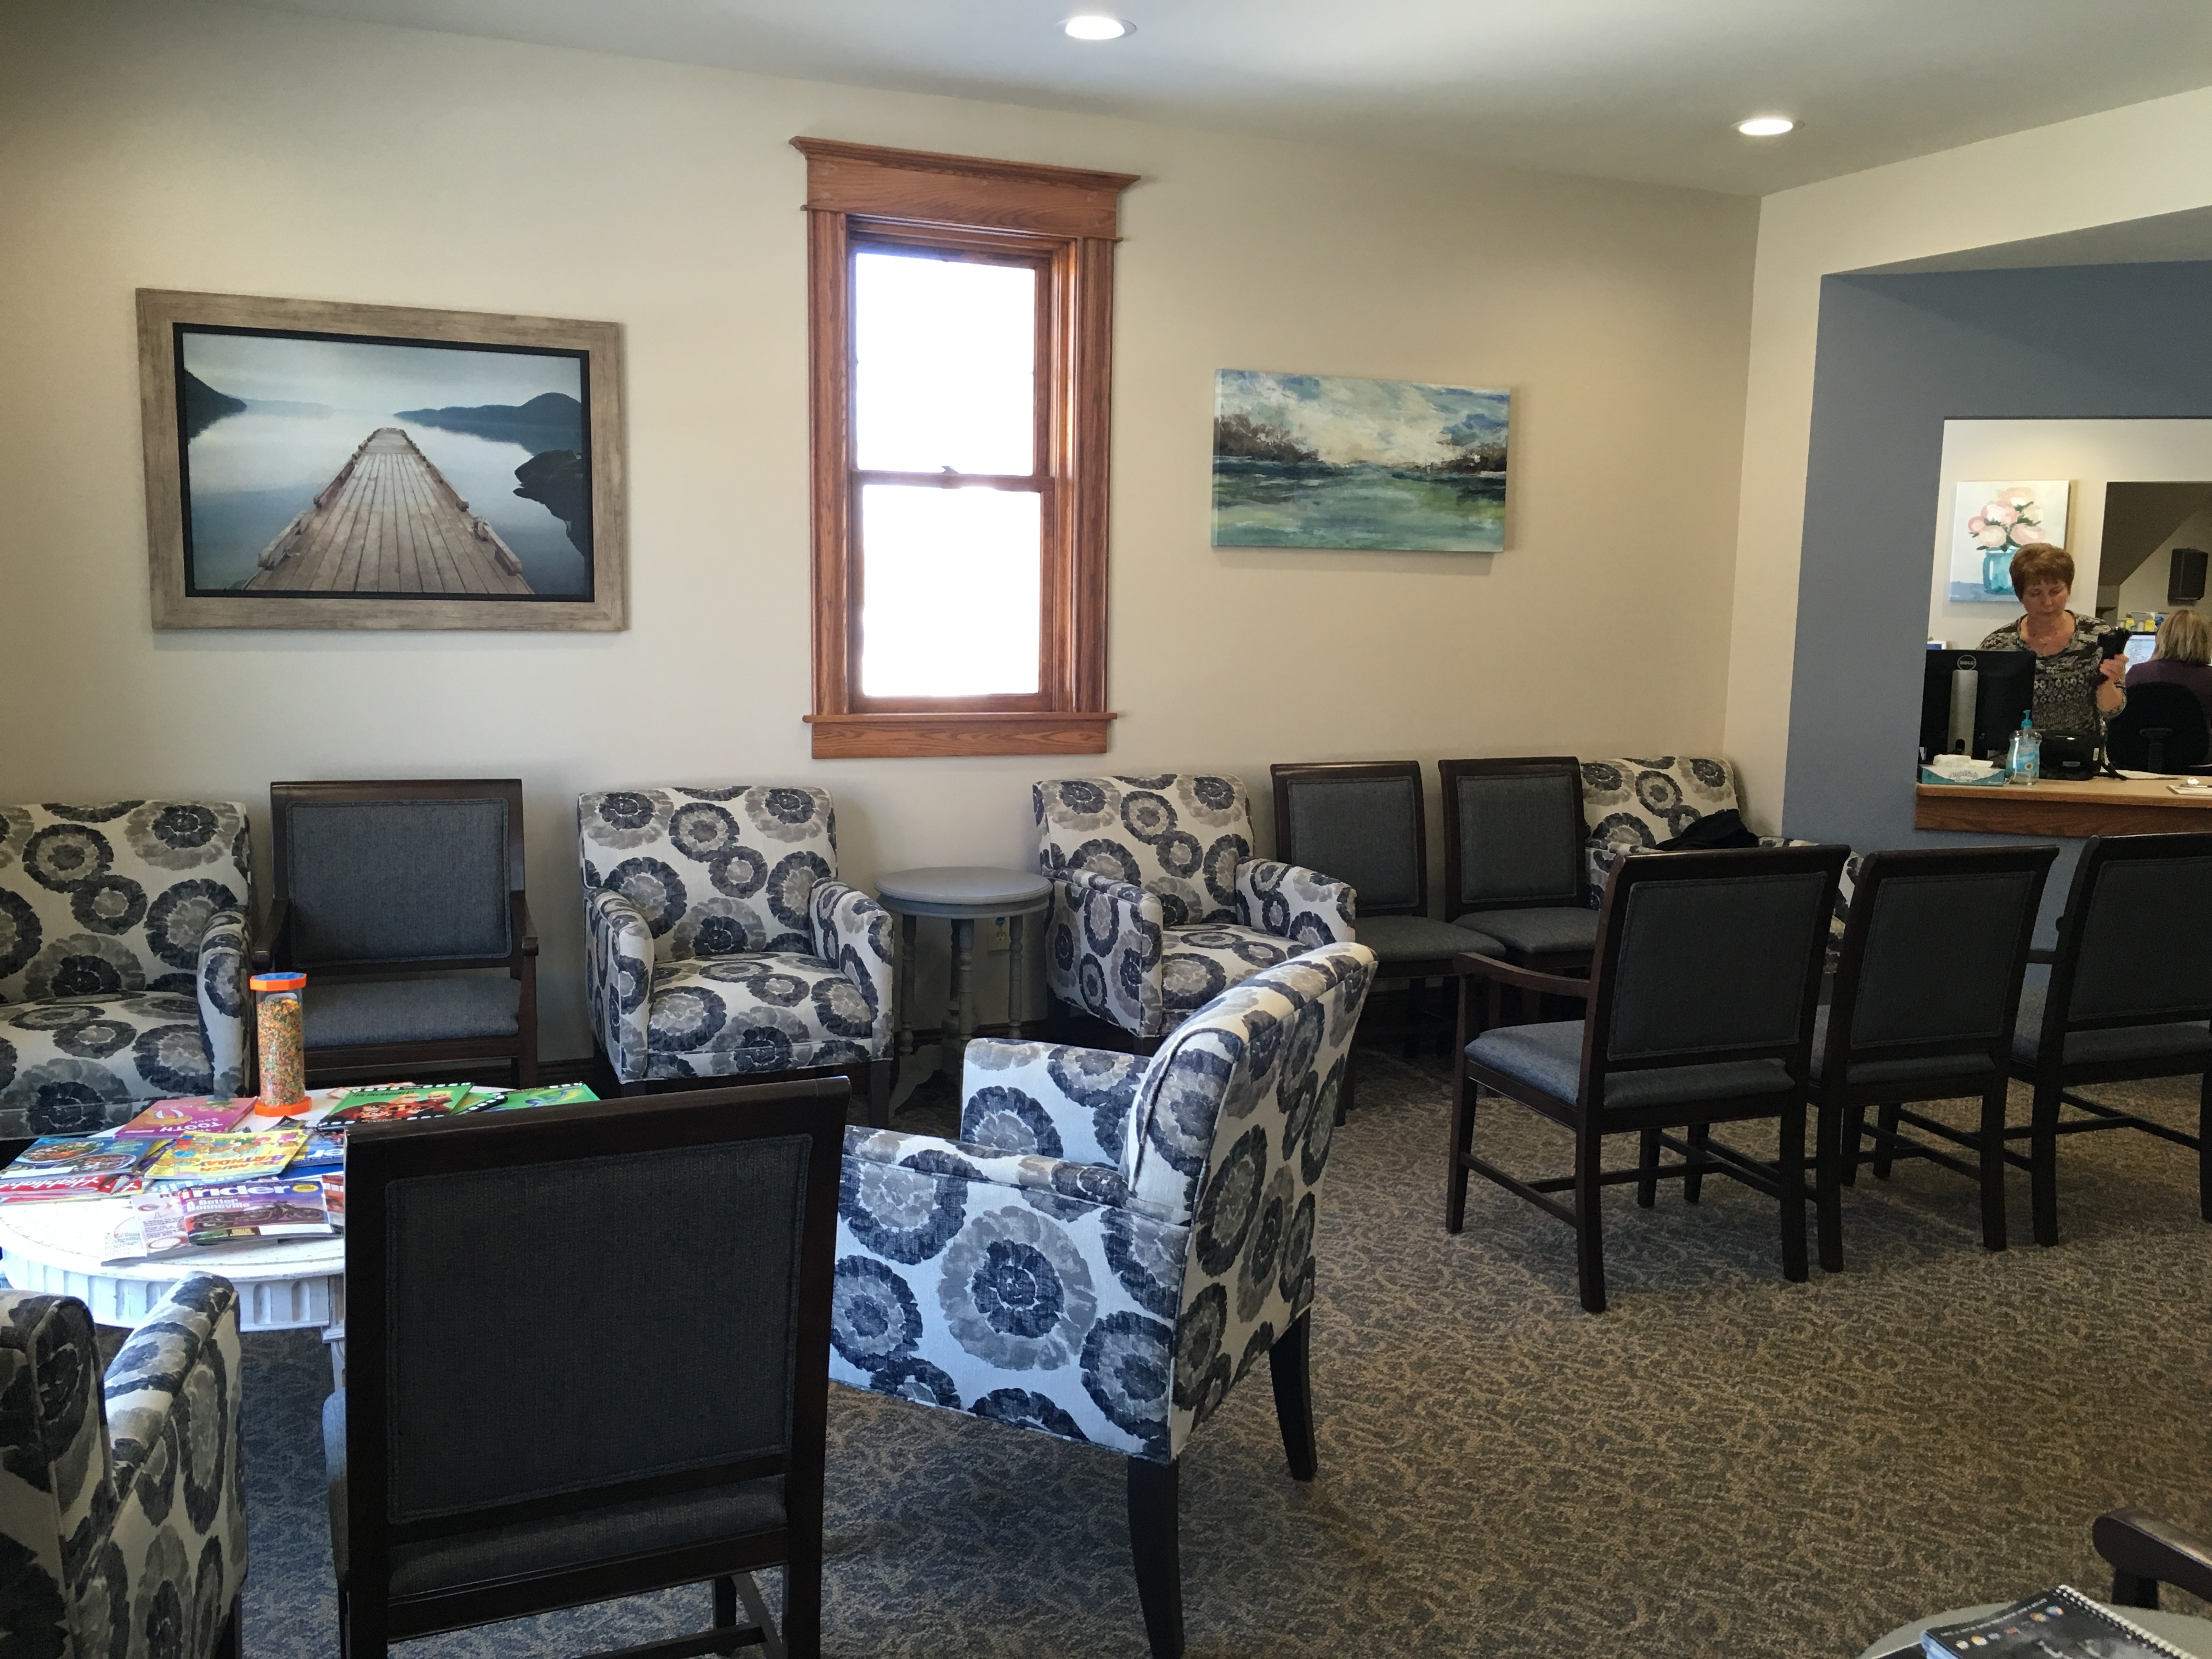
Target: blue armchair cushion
<point>2107,1048</point>
<point>74,1065</point>
<point>775,1011</point>
<point>1197,964</point>
<point>1544,928</point>
<point>1549,1057</point>
<point>343,1013</point>
<point>1049,1100</point>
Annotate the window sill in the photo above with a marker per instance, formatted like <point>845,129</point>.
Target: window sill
<point>898,737</point>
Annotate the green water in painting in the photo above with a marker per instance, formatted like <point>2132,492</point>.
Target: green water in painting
<point>1295,504</point>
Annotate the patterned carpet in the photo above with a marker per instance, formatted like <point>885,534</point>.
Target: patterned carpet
<point>1724,1463</point>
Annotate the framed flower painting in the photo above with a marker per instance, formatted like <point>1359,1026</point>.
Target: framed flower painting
<point>1990,523</point>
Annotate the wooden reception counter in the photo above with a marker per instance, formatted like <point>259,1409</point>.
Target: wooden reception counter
<point>2097,807</point>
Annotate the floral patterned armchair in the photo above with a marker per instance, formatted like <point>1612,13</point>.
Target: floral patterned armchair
<point>1159,905</point>
<point>1112,1241</point>
<point>122,1520</point>
<point>720,942</point>
<point>123,943</point>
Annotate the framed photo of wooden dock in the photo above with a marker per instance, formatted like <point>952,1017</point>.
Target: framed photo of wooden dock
<point>313,465</point>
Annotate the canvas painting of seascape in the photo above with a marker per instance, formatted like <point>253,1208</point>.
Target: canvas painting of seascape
<point>452,471</point>
<point>1990,523</point>
<point>1315,460</point>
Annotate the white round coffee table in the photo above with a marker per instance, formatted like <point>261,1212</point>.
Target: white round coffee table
<point>283,1285</point>
<point>2190,1635</point>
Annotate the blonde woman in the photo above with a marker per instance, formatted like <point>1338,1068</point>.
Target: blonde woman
<point>2075,682</point>
<point>2184,657</point>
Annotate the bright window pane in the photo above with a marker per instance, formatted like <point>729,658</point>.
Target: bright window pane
<point>945,364</point>
<point>951,581</point>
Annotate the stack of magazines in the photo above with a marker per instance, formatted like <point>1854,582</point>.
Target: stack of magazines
<point>197,1172</point>
<point>2060,1624</point>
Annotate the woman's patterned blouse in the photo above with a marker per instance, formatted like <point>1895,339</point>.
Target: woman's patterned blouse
<point>2066,681</point>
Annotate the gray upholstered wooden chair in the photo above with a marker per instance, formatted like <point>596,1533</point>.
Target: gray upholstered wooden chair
<point>590,1359</point>
<point>1514,868</point>
<point>398,900</point>
<point>1701,998</point>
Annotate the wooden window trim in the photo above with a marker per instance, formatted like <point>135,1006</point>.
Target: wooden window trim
<point>1067,219</point>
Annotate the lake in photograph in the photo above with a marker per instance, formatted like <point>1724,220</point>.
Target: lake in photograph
<point>1294,504</point>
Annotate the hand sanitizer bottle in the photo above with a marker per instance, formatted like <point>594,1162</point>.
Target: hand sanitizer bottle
<point>2024,759</point>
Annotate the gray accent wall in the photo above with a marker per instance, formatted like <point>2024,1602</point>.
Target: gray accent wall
<point>1897,356</point>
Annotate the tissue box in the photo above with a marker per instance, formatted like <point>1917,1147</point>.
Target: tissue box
<point>1929,774</point>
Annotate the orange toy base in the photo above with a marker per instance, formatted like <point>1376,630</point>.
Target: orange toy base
<point>280,1108</point>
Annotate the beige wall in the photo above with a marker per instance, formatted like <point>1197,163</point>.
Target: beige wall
<point>2145,589</point>
<point>178,145</point>
<point>2124,164</point>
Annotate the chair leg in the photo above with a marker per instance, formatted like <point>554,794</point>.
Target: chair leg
<point>1152,1541</point>
<point>2205,1147</point>
<point>879,1092</point>
<point>231,1643</point>
<point>2043,1176</point>
<point>1991,1153</point>
<point>1693,1184</point>
<point>1647,1170</point>
<point>361,1629</point>
<point>1793,1194</point>
<point>1344,1089</point>
<point>1828,1180</point>
<point>1885,1139</point>
<point>1462,1143</point>
<point>1851,1143</point>
<point>1287,1368</point>
<point>1590,1218</point>
<point>1417,1012</point>
<point>2133,1590</point>
<point>726,1603</point>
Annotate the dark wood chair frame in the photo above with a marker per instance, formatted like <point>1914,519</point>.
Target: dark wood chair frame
<point>1784,1179</point>
<point>2145,1553</point>
<point>272,940</point>
<point>380,1153</point>
<point>2054,1081</point>
<point>870,1081</point>
<point>1842,1105</point>
<point>1418,1022</point>
<point>1542,961</point>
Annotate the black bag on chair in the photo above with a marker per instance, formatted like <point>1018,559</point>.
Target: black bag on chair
<point>1712,833</point>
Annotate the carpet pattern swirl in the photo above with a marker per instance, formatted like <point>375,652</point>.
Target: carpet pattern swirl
<point>1723,1463</point>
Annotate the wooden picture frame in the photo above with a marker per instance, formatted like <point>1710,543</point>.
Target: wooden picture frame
<point>295,524</point>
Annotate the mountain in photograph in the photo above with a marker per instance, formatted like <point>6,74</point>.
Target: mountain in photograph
<point>202,404</point>
<point>551,420</point>
<point>555,479</point>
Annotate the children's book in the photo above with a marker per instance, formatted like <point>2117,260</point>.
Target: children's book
<point>202,1160</point>
<point>2060,1624</point>
<point>76,1166</point>
<point>334,1197</point>
<point>398,1103</point>
<point>198,1115</point>
<point>183,1215</point>
<point>558,1094</point>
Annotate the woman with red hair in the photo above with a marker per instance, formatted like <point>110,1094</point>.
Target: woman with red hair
<point>2075,684</point>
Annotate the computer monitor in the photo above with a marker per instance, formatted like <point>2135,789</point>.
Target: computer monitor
<point>2140,646</point>
<point>2005,687</point>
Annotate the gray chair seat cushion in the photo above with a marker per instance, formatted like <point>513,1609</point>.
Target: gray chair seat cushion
<point>1542,930</point>
<point>1419,938</point>
<point>595,1535</point>
<point>1972,1071</point>
<point>436,1008</point>
<point>2126,1042</point>
<point>1549,1056</point>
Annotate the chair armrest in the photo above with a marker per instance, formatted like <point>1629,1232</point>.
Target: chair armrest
<point>1103,943</point>
<point>2146,1549</point>
<point>854,933</point>
<point>1470,965</point>
<point>929,1158</point>
<point>1293,903</point>
<point>272,938</point>
<point>519,926</point>
<point>618,958</point>
<point>1049,1100</point>
<point>219,981</point>
<point>194,1327</point>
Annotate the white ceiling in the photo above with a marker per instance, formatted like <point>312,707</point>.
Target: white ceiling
<point>1642,89</point>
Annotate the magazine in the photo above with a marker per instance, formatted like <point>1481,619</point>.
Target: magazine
<point>2061,1624</point>
<point>202,1160</point>
<point>396,1103</point>
<point>556,1093</point>
<point>77,1166</point>
<point>186,1216</point>
<point>199,1115</point>
<point>324,1151</point>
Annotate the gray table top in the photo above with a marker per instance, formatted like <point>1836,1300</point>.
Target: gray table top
<point>963,890</point>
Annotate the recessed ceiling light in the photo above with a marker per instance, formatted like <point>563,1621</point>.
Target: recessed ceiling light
<point>1764,126</point>
<point>1095,25</point>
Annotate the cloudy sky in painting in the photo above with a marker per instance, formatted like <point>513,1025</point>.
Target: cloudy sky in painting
<point>1394,422</point>
<point>372,378</point>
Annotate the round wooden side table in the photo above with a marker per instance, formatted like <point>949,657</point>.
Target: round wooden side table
<point>962,894</point>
